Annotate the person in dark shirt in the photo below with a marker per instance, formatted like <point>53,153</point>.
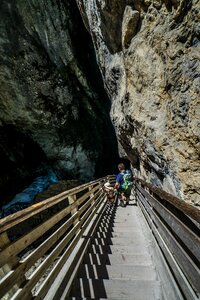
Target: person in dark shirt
<point>122,186</point>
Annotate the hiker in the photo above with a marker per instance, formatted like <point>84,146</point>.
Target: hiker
<point>124,184</point>
<point>110,194</point>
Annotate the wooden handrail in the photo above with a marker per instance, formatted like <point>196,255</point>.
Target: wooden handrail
<point>53,240</point>
<point>28,212</point>
<point>57,234</point>
<point>186,208</point>
<point>170,220</point>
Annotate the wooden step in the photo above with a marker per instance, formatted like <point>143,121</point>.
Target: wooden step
<point>117,289</point>
<point>120,272</point>
<point>124,218</point>
<point>117,249</point>
<point>136,240</point>
<point>118,259</point>
<point>120,222</point>
<point>118,228</point>
<point>113,234</point>
<point>129,224</point>
<point>85,298</point>
<point>125,228</point>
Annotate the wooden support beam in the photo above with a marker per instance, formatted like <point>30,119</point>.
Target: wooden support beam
<point>7,268</point>
<point>72,201</point>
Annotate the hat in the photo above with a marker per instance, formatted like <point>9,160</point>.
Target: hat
<point>107,184</point>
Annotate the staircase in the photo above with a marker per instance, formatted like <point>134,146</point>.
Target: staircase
<point>79,247</point>
<point>118,263</point>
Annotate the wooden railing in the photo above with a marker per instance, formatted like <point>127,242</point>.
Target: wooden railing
<point>37,242</point>
<point>175,225</point>
<point>41,245</point>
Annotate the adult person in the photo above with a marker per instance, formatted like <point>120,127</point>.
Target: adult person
<point>124,184</point>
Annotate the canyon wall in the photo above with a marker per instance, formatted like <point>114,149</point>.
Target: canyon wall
<point>53,107</point>
<point>148,53</point>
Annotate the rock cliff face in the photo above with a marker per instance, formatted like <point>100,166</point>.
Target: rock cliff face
<point>53,107</point>
<point>148,53</point>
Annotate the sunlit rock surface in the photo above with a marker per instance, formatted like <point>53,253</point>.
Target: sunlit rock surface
<point>148,52</point>
<point>53,108</point>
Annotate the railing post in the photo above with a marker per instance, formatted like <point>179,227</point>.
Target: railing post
<point>91,195</point>
<point>4,242</point>
<point>72,199</point>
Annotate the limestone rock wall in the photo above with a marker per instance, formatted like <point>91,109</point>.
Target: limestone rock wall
<point>53,107</point>
<point>148,52</point>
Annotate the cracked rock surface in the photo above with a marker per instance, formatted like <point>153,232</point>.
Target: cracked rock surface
<point>148,53</point>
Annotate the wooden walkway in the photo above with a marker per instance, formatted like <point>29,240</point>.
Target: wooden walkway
<point>75,246</point>
<point>119,261</point>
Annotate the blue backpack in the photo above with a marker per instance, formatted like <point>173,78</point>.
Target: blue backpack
<point>128,180</point>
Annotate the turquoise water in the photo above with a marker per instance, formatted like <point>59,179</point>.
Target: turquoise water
<point>24,198</point>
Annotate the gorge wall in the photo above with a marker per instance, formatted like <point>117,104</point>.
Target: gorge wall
<point>53,107</point>
<point>148,53</point>
<point>54,111</point>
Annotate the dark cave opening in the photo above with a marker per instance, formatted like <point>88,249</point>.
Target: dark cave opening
<point>22,159</point>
